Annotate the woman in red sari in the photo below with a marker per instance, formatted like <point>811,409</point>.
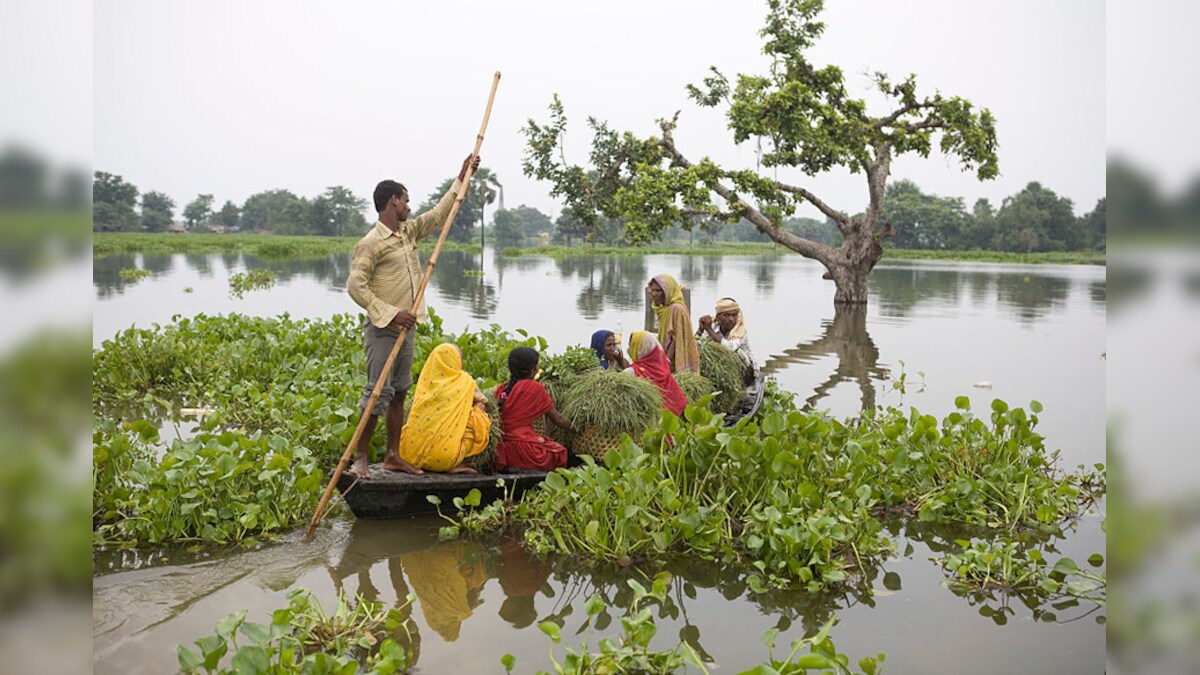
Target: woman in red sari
<point>649,362</point>
<point>522,400</point>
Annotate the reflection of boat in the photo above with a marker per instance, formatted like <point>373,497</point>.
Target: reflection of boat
<point>392,494</point>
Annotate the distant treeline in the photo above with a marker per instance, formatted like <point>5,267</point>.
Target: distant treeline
<point>1036,219</point>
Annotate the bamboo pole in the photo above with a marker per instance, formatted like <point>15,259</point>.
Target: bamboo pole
<point>387,367</point>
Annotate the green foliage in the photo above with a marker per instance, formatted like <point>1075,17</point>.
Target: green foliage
<point>276,388</point>
<point>613,402</point>
<point>508,229</point>
<point>198,211</point>
<point>113,201</point>
<point>133,274</point>
<point>259,279</point>
<point>723,368</point>
<point>304,638</point>
<point>790,496</point>
<point>822,655</point>
<point>630,652</point>
<point>804,114</point>
<point>1007,565</point>
<point>158,211</point>
<point>215,487</point>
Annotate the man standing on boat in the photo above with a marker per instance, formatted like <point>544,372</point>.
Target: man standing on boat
<point>385,274</point>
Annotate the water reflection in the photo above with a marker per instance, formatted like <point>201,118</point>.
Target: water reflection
<point>901,289</point>
<point>845,338</point>
<point>606,281</point>
<point>1033,296</point>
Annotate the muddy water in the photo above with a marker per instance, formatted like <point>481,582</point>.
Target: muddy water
<point>945,329</point>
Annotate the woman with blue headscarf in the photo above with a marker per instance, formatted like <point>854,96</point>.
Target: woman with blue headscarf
<point>608,350</point>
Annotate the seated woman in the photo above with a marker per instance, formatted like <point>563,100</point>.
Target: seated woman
<point>674,324</point>
<point>604,343</point>
<point>522,400</point>
<point>448,422</point>
<point>730,330</point>
<point>650,363</point>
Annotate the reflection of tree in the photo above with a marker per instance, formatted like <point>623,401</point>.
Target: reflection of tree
<point>199,262</point>
<point>846,338</point>
<point>611,280</point>
<point>106,275</point>
<point>900,289</point>
<point>1032,296</point>
<point>472,291</point>
<point>764,270</point>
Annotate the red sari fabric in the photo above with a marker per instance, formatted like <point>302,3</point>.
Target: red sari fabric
<point>655,367</point>
<point>520,446</point>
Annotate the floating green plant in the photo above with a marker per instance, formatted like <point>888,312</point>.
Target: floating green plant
<point>133,274</point>
<point>357,636</point>
<point>241,282</point>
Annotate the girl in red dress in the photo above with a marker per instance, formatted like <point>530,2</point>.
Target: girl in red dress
<point>522,400</point>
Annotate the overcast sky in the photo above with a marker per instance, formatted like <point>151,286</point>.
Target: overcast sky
<point>232,98</point>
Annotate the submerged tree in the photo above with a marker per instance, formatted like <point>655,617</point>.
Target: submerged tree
<point>807,120</point>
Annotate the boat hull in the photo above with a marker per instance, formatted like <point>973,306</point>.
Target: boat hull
<point>391,494</point>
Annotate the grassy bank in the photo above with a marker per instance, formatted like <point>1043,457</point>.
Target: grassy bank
<point>263,246</point>
<point>282,246</point>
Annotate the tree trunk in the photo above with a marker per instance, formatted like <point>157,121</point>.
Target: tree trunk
<point>852,265</point>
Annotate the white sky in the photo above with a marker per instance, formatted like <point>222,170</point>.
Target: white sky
<point>233,98</point>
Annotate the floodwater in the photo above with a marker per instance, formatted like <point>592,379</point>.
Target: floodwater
<point>1016,332</point>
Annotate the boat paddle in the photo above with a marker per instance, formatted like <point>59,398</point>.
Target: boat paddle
<point>387,366</point>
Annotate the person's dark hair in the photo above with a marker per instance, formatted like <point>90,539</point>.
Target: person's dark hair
<point>384,193</point>
<point>522,365</point>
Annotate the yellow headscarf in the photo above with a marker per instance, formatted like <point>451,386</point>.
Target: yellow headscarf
<point>738,331</point>
<point>432,437</point>
<point>641,343</point>
<point>674,295</point>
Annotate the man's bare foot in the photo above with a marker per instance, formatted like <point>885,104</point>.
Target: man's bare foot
<point>360,469</point>
<point>462,468</point>
<point>402,466</point>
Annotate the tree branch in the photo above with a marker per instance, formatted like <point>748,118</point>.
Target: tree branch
<point>805,247</point>
<point>877,173</point>
<point>839,218</point>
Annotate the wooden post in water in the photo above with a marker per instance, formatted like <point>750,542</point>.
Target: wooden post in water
<point>387,366</point>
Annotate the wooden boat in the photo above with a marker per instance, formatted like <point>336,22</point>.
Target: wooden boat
<point>749,403</point>
<point>392,494</point>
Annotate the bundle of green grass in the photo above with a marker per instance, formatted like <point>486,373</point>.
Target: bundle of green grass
<point>606,405</point>
<point>724,369</point>
<point>694,385</point>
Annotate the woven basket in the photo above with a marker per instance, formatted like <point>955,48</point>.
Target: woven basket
<point>595,441</point>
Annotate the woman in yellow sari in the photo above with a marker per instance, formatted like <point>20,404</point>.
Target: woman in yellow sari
<point>448,422</point>
<point>674,324</point>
